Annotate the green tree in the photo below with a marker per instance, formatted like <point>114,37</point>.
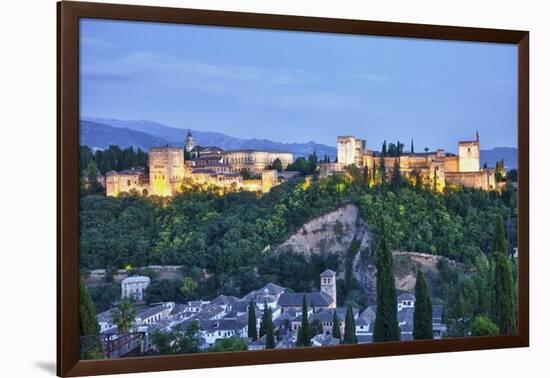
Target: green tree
<point>189,288</point>
<point>124,315</point>
<point>163,342</point>
<point>88,321</point>
<point>93,186</point>
<point>349,328</point>
<point>312,161</point>
<point>366,176</point>
<point>189,340</point>
<point>500,173</point>
<point>512,175</point>
<point>483,326</point>
<point>231,344</point>
<point>336,326</point>
<point>396,178</point>
<point>386,327</point>
<point>499,242</point>
<point>422,309</point>
<point>268,326</point>
<point>277,164</point>
<point>303,333</point>
<point>382,172</point>
<point>504,300</point>
<point>252,331</point>
<point>412,146</point>
<point>505,309</point>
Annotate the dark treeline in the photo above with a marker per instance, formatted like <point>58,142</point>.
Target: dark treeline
<point>113,158</point>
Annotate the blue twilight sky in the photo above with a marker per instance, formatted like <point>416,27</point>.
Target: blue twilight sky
<point>298,86</point>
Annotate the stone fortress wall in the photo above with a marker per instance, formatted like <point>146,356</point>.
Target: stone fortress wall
<point>208,165</point>
<point>432,167</point>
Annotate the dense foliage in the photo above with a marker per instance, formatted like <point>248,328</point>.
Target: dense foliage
<point>483,326</point>
<point>104,296</point>
<point>225,243</point>
<point>86,309</point>
<point>230,344</point>
<point>124,315</point>
<point>113,158</point>
<point>182,339</point>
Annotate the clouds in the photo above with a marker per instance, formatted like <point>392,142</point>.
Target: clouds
<point>264,84</point>
<point>280,87</point>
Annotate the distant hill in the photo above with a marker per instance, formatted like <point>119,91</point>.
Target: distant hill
<point>509,154</point>
<point>101,132</point>
<point>97,135</point>
<point>176,137</point>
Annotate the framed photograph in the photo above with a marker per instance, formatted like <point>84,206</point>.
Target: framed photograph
<point>238,188</point>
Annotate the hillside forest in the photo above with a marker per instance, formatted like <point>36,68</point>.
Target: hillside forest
<point>221,240</point>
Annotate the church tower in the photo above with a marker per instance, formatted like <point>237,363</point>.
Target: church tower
<point>328,285</point>
<point>189,142</point>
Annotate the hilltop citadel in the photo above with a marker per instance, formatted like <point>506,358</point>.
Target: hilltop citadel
<point>168,169</point>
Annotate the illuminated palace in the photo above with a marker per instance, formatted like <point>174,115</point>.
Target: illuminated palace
<point>207,165</point>
<point>436,168</point>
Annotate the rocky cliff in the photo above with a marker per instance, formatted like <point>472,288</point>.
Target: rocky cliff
<point>331,233</point>
<point>334,233</point>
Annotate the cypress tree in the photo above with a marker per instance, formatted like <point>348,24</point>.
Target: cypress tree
<point>303,333</point>
<point>336,326</point>
<point>88,322</point>
<point>252,331</point>
<point>382,170</point>
<point>349,328</point>
<point>504,303</point>
<point>269,332</point>
<point>396,176</point>
<point>386,327</point>
<point>412,146</point>
<point>505,309</point>
<point>366,176</point>
<point>422,310</point>
<point>499,243</point>
<point>262,322</point>
<point>384,149</point>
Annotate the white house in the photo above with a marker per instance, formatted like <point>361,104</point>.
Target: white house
<point>405,300</point>
<point>154,314</point>
<point>223,329</point>
<point>134,287</point>
<point>105,321</point>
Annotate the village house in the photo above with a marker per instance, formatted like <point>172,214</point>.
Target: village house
<point>154,314</point>
<point>134,287</point>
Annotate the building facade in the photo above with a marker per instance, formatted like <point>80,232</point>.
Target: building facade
<point>437,169</point>
<point>351,150</point>
<point>189,142</point>
<point>134,287</point>
<point>166,170</point>
<point>255,161</point>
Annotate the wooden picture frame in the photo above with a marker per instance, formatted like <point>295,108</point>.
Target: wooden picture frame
<point>69,13</point>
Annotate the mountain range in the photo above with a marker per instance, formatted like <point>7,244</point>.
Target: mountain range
<point>99,133</point>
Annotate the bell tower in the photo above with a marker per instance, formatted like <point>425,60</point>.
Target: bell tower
<point>328,285</point>
<point>189,142</point>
